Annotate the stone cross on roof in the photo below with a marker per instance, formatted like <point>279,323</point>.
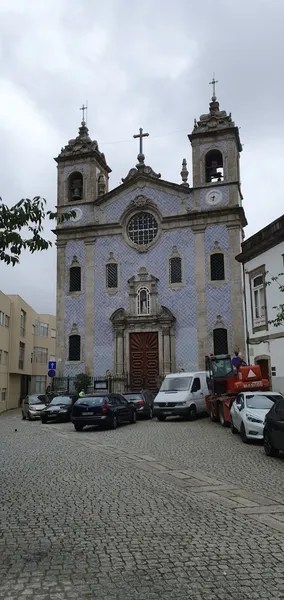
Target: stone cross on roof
<point>140,156</point>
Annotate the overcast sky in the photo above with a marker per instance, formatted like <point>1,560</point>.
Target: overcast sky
<point>145,64</point>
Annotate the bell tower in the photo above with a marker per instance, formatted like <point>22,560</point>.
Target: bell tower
<point>216,149</point>
<point>83,173</point>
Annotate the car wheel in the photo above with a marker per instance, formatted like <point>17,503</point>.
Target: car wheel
<point>133,417</point>
<point>221,415</point>
<point>78,427</point>
<point>191,415</point>
<point>233,428</point>
<point>114,422</point>
<point>211,414</point>
<point>23,416</point>
<point>161,417</point>
<point>44,421</point>
<point>243,434</point>
<point>269,448</point>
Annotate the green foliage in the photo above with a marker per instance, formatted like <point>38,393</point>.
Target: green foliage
<point>279,318</point>
<point>29,215</point>
<point>82,382</point>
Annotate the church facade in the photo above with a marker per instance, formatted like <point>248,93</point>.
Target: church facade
<point>147,280</point>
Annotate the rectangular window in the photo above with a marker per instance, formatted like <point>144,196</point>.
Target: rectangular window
<point>40,355</point>
<point>7,321</point>
<point>41,329</point>
<point>217,266</point>
<point>3,394</point>
<point>75,279</point>
<point>2,318</point>
<point>0,357</point>
<point>21,355</point>
<point>273,371</point>
<point>258,301</point>
<point>111,276</point>
<point>5,358</point>
<point>53,333</point>
<point>175,270</point>
<point>23,323</point>
<point>39,384</point>
<point>74,348</point>
<point>220,341</point>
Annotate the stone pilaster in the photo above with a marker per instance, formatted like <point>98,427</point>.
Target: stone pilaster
<point>89,306</point>
<point>236,285</point>
<point>60,308</point>
<point>166,350</point>
<point>200,282</point>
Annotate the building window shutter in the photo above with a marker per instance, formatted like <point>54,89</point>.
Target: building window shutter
<point>75,279</point>
<point>220,341</point>
<point>175,270</point>
<point>112,276</point>
<point>74,348</point>
<point>217,266</point>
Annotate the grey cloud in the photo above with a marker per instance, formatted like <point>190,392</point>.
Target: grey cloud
<point>137,65</point>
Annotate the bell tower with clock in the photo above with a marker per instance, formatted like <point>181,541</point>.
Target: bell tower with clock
<point>217,200</point>
<point>216,148</point>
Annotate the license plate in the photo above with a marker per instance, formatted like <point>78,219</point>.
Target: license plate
<point>87,414</point>
<point>168,412</point>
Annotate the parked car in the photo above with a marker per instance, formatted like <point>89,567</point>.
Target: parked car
<point>181,394</point>
<point>59,409</point>
<point>143,401</point>
<point>103,409</point>
<point>273,432</point>
<point>32,406</point>
<point>248,413</point>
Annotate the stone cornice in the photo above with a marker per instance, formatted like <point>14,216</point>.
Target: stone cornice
<point>196,220</point>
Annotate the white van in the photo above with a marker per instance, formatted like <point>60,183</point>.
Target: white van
<point>181,394</point>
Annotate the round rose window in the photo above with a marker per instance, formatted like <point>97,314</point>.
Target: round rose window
<point>142,229</point>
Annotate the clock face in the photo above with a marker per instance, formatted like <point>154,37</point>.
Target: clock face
<point>213,197</point>
<point>79,214</point>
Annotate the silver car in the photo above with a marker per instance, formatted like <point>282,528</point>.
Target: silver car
<point>32,406</point>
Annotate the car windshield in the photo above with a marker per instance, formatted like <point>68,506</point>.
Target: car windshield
<point>262,401</point>
<point>176,384</point>
<point>133,396</point>
<point>60,400</point>
<point>35,400</point>
<point>94,401</point>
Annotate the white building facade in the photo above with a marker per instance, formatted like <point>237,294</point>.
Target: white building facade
<point>262,258</point>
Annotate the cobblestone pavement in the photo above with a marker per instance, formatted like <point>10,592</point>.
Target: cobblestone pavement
<point>175,511</point>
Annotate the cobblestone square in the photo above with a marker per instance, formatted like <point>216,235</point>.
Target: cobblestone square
<point>173,510</point>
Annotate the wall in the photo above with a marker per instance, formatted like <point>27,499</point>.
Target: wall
<point>270,341</point>
<point>5,331</point>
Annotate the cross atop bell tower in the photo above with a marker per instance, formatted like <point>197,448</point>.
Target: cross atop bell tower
<point>213,83</point>
<point>216,146</point>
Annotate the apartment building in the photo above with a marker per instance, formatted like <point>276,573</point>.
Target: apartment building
<point>27,343</point>
<point>262,258</point>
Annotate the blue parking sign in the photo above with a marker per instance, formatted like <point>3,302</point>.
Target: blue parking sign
<point>52,365</point>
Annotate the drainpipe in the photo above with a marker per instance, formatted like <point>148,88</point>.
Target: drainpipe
<point>246,315</point>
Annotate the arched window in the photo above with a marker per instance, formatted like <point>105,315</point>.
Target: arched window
<point>217,266</point>
<point>143,301</point>
<point>74,353</point>
<point>75,187</point>
<point>75,279</point>
<point>214,168</point>
<point>220,341</point>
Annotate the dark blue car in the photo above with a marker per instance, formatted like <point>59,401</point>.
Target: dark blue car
<point>103,409</point>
